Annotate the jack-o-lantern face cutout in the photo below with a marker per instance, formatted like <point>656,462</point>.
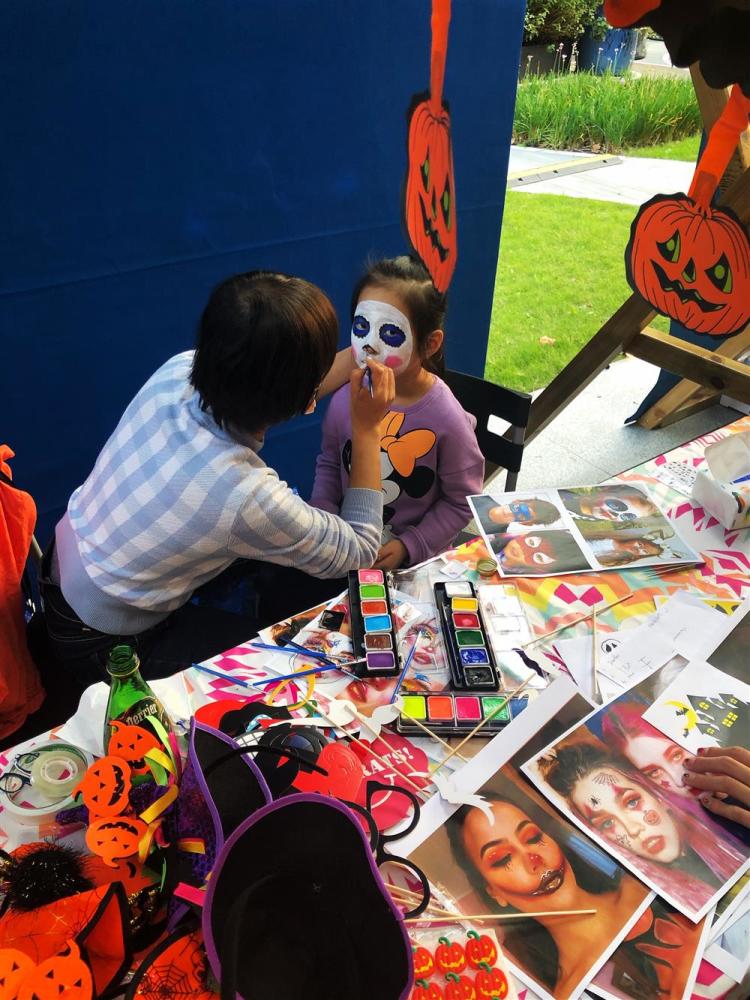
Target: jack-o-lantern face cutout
<point>64,975</point>
<point>15,966</point>
<point>424,966</point>
<point>691,264</point>
<point>115,839</point>
<point>480,948</point>
<point>491,984</point>
<point>132,743</point>
<point>105,787</point>
<point>430,198</point>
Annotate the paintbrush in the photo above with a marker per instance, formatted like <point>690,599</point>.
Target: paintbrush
<point>407,664</point>
<point>576,621</point>
<point>457,918</point>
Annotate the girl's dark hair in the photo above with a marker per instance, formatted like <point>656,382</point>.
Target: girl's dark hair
<point>265,343</point>
<point>425,305</point>
<point>615,557</point>
<point>527,941</point>
<point>572,763</point>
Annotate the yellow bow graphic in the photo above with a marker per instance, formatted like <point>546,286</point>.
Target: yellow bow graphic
<point>403,451</point>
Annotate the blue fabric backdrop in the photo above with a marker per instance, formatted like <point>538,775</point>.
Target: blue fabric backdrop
<point>153,147</point>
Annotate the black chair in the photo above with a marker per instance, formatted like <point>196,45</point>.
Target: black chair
<point>485,399</point>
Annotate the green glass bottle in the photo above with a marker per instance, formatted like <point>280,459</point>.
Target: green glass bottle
<point>131,700</point>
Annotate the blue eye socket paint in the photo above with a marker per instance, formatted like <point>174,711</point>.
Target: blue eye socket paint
<point>392,335</point>
<point>360,326</point>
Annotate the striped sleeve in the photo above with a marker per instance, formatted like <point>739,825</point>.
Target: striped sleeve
<point>278,526</point>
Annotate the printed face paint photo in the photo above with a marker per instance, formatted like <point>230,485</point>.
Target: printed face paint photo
<point>512,854</point>
<point>382,333</point>
<point>593,774</point>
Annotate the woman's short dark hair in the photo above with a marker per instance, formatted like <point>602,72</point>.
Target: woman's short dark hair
<point>573,763</point>
<point>536,951</point>
<point>425,305</point>
<point>265,343</point>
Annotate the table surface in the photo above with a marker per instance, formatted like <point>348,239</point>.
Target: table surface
<point>553,601</point>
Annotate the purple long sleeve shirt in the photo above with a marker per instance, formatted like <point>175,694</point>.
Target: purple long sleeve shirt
<point>430,462</point>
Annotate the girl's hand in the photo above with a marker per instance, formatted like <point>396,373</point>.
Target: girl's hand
<point>368,410</point>
<point>392,555</point>
<point>722,773</point>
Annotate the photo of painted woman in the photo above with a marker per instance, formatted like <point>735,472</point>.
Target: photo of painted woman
<point>517,856</point>
<point>654,831</point>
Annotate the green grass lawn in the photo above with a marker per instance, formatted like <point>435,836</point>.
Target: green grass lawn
<point>560,275</point>
<point>681,149</point>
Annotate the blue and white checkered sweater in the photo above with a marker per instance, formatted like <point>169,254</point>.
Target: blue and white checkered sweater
<point>173,500</point>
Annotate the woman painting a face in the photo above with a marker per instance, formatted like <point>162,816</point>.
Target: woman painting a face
<point>518,867</point>
<point>669,846</point>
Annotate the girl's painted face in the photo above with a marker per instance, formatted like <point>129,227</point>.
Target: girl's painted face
<point>520,864</point>
<point>640,547</point>
<point>528,550</point>
<point>660,760</point>
<point>381,332</point>
<point>622,811</point>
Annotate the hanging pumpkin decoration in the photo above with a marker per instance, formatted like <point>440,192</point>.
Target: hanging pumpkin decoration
<point>688,259</point>
<point>491,983</point>
<point>15,967</point>
<point>64,975</point>
<point>113,839</point>
<point>449,956</point>
<point>426,991</point>
<point>423,962</point>
<point>105,787</point>
<point>429,199</point>
<point>459,988</point>
<point>132,743</point>
<point>480,949</point>
<point>691,265</point>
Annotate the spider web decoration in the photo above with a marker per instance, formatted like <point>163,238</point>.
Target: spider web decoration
<point>177,968</point>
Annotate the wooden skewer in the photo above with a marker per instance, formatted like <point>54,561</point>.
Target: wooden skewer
<point>595,658</point>
<point>368,749</point>
<point>409,898</point>
<point>456,918</point>
<point>364,720</point>
<point>576,621</point>
<point>483,723</point>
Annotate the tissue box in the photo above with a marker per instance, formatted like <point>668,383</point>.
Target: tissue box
<point>717,491</point>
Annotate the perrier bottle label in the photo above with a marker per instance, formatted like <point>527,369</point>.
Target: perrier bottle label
<point>133,704</point>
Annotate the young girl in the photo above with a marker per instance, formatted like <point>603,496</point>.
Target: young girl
<point>429,457</point>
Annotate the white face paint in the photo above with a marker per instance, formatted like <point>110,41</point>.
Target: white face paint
<point>382,333</point>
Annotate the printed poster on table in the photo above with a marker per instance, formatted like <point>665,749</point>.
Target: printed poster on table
<point>514,854</point>
<point>621,781</point>
<point>555,532</point>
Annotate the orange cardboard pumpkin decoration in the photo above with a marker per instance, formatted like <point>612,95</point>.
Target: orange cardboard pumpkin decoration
<point>115,838</point>
<point>491,984</point>
<point>459,988</point>
<point>105,787</point>
<point>63,975</point>
<point>15,966</point>
<point>691,264</point>
<point>132,743</point>
<point>430,196</point>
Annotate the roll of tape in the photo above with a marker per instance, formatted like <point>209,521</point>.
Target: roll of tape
<point>46,775</point>
<point>57,771</point>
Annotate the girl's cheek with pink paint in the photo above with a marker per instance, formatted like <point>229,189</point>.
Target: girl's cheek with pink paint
<point>393,361</point>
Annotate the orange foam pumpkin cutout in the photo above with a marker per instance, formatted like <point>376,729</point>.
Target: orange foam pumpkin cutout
<point>15,967</point>
<point>105,787</point>
<point>430,194</point>
<point>115,838</point>
<point>63,975</point>
<point>132,743</point>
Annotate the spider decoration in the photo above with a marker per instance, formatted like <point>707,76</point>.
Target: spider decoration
<point>178,968</point>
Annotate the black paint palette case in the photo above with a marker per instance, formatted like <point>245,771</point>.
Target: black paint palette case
<point>470,657</point>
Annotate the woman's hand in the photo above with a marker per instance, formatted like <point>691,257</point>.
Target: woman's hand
<point>392,555</point>
<point>368,410</point>
<point>723,776</point>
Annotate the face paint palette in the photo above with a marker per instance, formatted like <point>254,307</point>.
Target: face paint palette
<point>470,657</point>
<point>456,714</point>
<point>373,624</point>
